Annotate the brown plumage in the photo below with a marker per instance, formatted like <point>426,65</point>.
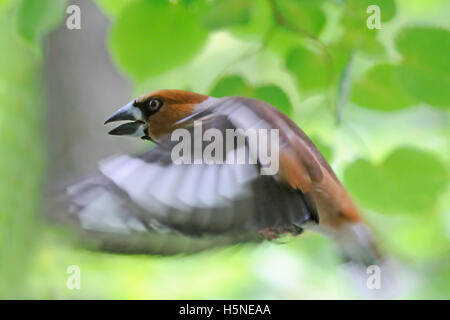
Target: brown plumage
<point>150,197</point>
<point>178,104</point>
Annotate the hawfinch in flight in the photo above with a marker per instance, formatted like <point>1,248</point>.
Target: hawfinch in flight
<point>154,204</point>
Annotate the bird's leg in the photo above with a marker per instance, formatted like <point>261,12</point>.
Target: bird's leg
<point>268,233</point>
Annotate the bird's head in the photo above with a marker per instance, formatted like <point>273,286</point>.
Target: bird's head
<point>156,114</point>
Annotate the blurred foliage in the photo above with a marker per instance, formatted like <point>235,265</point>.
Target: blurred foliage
<point>376,102</point>
<point>236,86</point>
<point>425,69</point>
<point>36,18</point>
<point>21,163</point>
<point>409,181</point>
<point>381,78</point>
<point>181,35</point>
<point>226,13</point>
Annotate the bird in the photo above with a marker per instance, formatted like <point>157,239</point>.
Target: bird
<point>148,204</point>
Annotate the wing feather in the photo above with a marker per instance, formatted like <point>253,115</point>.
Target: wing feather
<point>149,199</point>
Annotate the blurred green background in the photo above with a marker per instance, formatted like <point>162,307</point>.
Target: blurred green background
<point>376,103</point>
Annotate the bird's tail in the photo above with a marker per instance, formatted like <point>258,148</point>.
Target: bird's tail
<point>372,273</point>
<point>357,244</point>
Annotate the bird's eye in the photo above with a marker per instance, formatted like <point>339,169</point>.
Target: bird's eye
<point>154,104</point>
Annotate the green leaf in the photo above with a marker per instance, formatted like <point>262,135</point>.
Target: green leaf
<point>309,68</point>
<point>354,20</point>
<point>236,86</point>
<point>340,55</point>
<point>304,15</point>
<point>429,86</point>
<point>36,18</point>
<point>224,13</point>
<point>355,12</point>
<point>425,70</point>
<point>420,238</point>
<point>274,96</point>
<point>408,181</point>
<point>364,41</point>
<point>230,86</point>
<point>324,148</point>
<point>380,89</point>
<point>260,21</point>
<point>424,46</point>
<point>113,8</point>
<point>149,38</point>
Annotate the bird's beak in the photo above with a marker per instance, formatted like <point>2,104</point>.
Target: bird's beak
<point>134,128</point>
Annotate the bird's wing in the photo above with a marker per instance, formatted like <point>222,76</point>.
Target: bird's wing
<point>139,204</point>
<point>302,166</point>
